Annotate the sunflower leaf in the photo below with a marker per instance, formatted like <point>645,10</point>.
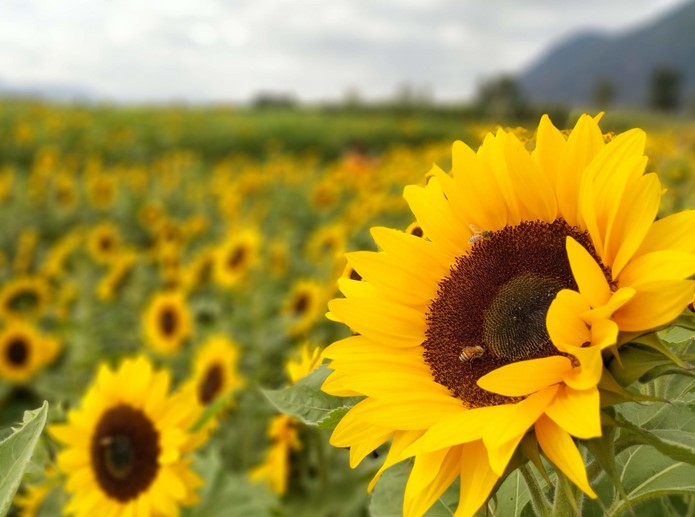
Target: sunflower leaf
<point>305,401</point>
<point>16,451</point>
<point>636,361</point>
<point>334,417</point>
<point>511,497</point>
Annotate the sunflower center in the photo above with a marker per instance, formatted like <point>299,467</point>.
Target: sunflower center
<point>211,385</point>
<point>168,321</point>
<point>301,304</point>
<point>17,352</point>
<point>236,258</point>
<point>491,309</point>
<point>23,301</point>
<point>124,452</point>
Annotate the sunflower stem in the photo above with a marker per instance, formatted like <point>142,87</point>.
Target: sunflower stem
<point>540,503</point>
<point>568,499</point>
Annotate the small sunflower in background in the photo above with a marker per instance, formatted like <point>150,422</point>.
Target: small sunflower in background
<point>30,501</point>
<point>24,351</point>
<point>126,448</point>
<point>493,327</point>
<point>104,242</point>
<point>303,305</point>
<point>283,429</point>
<point>235,257</point>
<point>167,322</point>
<point>215,372</point>
<point>24,297</point>
<point>326,243</point>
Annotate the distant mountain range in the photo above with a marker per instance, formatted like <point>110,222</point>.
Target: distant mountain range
<point>571,71</point>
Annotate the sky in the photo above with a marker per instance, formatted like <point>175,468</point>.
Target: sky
<point>316,50</point>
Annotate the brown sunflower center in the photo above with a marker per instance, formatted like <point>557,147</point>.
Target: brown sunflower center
<point>24,300</point>
<point>301,304</point>
<point>124,452</point>
<point>211,384</point>
<point>169,321</point>
<point>236,258</point>
<point>490,310</point>
<point>17,351</point>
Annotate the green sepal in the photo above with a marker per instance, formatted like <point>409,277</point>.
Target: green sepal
<point>635,362</point>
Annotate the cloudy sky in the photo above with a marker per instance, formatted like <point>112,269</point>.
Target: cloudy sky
<point>215,50</point>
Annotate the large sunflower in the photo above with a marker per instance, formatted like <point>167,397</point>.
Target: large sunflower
<point>126,446</point>
<point>493,325</point>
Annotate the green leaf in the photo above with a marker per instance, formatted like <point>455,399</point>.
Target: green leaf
<point>334,417</point>
<point>653,341</point>
<point>16,451</point>
<point>511,497</point>
<point>635,362</point>
<point>648,474</point>
<point>305,401</point>
<point>225,493</point>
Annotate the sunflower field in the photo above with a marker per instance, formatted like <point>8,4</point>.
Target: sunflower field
<point>165,279</point>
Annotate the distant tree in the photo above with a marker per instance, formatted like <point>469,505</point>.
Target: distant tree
<point>274,100</point>
<point>665,88</point>
<point>603,94</point>
<point>501,97</point>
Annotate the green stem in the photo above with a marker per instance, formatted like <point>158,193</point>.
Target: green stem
<point>540,503</point>
<point>568,499</point>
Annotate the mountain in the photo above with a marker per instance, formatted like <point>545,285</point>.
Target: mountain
<point>571,71</point>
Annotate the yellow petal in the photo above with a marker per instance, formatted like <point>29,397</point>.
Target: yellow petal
<point>654,305</point>
<point>524,377</point>
<point>618,299</point>
<point>564,322</point>
<point>401,441</point>
<point>386,322</point>
<point>460,428</point>
<point>577,412</point>
<point>656,266</point>
<point>434,214</point>
<point>588,373</point>
<point>518,419</point>
<point>431,476</point>
<point>588,274</point>
<point>673,232</point>
<point>561,450</point>
<point>477,479</point>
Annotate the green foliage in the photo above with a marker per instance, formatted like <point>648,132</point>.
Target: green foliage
<point>305,401</point>
<point>16,451</point>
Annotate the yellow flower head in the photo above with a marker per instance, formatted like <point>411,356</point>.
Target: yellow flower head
<point>493,323</point>
<point>167,322</point>
<point>235,257</point>
<point>126,447</point>
<point>24,297</point>
<point>215,371</point>
<point>303,306</point>
<point>24,351</point>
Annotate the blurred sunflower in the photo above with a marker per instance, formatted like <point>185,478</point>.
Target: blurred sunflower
<point>30,501</point>
<point>235,257</point>
<point>126,447</point>
<point>104,242</point>
<point>303,305</point>
<point>326,243</point>
<point>215,371</point>
<point>282,429</point>
<point>495,324</point>
<point>167,322</point>
<point>24,297</point>
<point>24,351</point>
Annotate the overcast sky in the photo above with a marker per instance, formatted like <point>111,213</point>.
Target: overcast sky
<point>214,50</point>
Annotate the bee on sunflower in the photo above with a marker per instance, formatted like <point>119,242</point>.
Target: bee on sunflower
<point>494,325</point>
<point>126,449</point>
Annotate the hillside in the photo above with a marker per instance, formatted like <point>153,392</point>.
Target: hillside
<point>570,71</point>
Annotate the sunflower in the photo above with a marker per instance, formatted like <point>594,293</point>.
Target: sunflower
<point>283,429</point>
<point>24,297</point>
<point>30,501</point>
<point>235,257</point>
<point>215,372</point>
<point>326,243</point>
<point>167,322</point>
<point>303,305</point>
<point>24,351</point>
<point>104,242</point>
<point>494,325</point>
<point>126,447</point>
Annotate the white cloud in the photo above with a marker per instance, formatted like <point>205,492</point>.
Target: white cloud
<point>217,50</point>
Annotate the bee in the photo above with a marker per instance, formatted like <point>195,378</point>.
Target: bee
<point>468,353</point>
<point>478,234</point>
